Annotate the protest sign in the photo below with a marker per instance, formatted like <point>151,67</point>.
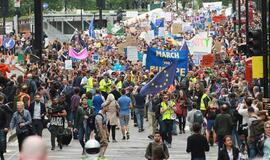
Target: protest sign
<point>200,43</point>
<point>176,28</point>
<point>168,16</point>
<point>132,53</point>
<point>248,70</point>
<point>131,41</point>
<point>218,46</point>
<point>213,5</point>
<point>207,61</point>
<point>68,64</point>
<point>159,59</point>
<point>83,54</point>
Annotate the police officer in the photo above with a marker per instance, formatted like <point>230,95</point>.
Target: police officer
<point>58,114</point>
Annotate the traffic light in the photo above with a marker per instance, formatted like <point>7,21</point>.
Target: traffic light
<point>255,42</point>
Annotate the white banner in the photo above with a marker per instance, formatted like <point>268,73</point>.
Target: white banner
<point>132,14</point>
<point>68,64</point>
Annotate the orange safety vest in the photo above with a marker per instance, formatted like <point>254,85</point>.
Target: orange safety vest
<point>22,95</point>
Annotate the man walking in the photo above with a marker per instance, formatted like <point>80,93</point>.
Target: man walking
<point>3,129</point>
<point>157,150</point>
<point>139,109</point>
<point>102,131</point>
<point>21,121</point>
<point>223,125</point>
<point>125,104</point>
<point>37,111</point>
<point>197,144</point>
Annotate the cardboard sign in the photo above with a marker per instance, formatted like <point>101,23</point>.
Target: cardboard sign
<point>208,61</point>
<point>132,14</point>
<point>176,28</point>
<point>121,48</point>
<point>68,64</point>
<point>132,53</point>
<point>218,46</point>
<point>131,41</point>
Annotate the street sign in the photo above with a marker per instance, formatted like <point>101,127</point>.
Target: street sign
<point>8,43</point>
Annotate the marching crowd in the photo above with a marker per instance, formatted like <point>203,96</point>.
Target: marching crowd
<point>217,104</point>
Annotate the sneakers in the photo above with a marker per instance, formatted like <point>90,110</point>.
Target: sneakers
<point>114,141</point>
<point>53,148</point>
<point>124,138</point>
<point>169,145</point>
<point>127,135</point>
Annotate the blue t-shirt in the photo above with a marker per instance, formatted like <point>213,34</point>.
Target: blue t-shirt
<point>97,101</point>
<point>124,103</point>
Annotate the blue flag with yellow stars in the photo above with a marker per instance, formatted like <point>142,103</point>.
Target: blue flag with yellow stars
<point>161,81</point>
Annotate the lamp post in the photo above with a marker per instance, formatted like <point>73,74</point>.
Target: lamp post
<point>265,49</point>
<point>239,16</point>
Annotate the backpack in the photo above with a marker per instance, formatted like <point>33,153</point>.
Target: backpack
<point>198,117</point>
<point>256,129</point>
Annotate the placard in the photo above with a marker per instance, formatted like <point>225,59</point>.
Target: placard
<point>176,28</point>
<point>132,53</point>
<point>208,61</point>
<point>68,64</point>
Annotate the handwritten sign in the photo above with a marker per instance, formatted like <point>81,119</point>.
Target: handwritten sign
<point>176,28</point>
<point>208,61</point>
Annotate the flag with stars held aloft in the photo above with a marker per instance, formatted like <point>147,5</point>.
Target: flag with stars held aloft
<point>161,81</point>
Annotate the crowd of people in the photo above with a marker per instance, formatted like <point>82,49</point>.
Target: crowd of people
<point>219,106</point>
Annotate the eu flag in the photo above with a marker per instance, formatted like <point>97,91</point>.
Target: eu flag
<point>161,81</point>
<point>91,29</point>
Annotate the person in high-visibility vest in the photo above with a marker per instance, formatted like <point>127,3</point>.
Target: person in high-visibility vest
<point>118,83</point>
<point>105,86</point>
<point>168,115</point>
<point>89,84</point>
<point>205,101</point>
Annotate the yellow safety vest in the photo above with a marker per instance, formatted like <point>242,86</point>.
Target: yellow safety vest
<point>105,87</point>
<point>202,106</point>
<point>167,114</point>
<point>90,84</point>
<point>119,85</point>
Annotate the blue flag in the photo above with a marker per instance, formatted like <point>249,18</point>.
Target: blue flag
<point>91,29</point>
<point>161,81</point>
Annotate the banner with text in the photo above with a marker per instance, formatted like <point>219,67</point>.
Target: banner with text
<point>159,59</point>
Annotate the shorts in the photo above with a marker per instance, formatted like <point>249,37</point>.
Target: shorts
<point>124,119</point>
<point>210,124</point>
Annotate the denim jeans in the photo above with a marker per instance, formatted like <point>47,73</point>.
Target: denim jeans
<point>139,115</point>
<point>167,127</point>
<point>84,135</point>
<point>220,142</point>
<point>252,150</point>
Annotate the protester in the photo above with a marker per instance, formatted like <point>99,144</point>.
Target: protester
<point>4,125</point>
<point>81,124</point>
<point>167,110</point>
<point>223,125</point>
<point>37,111</point>
<point>21,120</point>
<point>124,110</point>
<point>112,115</point>
<point>157,150</point>
<point>197,144</point>
<point>101,121</point>
<point>264,145</point>
<point>139,109</point>
<point>57,122</point>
